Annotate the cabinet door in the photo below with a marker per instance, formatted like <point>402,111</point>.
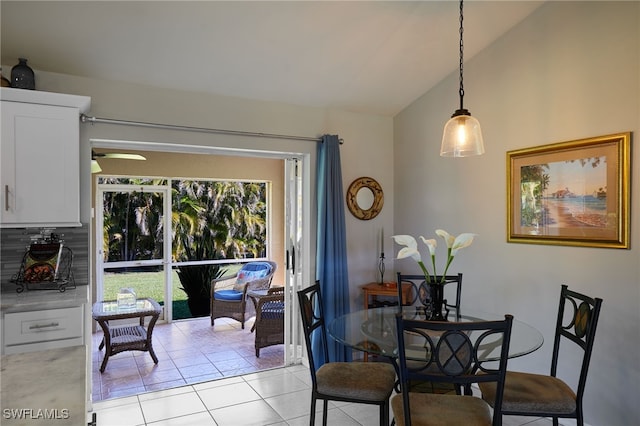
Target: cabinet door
<point>40,165</point>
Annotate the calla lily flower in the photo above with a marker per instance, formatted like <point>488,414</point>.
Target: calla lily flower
<point>449,239</point>
<point>409,252</point>
<point>461,241</point>
<point>411,249</point>
<point>454,244</point>
<point>431,244</point>
<point>405,240</point>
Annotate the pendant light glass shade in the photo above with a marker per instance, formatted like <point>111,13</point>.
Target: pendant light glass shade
<point>462,137</point>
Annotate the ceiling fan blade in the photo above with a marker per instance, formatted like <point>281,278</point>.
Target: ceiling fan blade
<point>95,167</point>
<point>119,156</point>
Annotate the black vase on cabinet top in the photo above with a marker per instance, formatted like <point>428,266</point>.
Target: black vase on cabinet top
<point>22,76</point>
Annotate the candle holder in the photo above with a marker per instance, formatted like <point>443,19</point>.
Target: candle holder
<point>381,268</point>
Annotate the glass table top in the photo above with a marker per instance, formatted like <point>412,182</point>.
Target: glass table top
<point>111,308</point>
<point>373,331</point>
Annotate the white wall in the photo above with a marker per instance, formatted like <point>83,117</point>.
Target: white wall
<point>569,71</point>
<point>367,148</point>
<point>367,151</point>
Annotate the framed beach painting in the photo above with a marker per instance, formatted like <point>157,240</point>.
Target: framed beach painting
<point>570,193</point>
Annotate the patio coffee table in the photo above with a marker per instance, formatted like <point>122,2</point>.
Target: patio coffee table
<point>128,337</point>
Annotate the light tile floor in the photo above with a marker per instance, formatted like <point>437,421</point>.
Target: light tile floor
<point>215,382</point>
<point>276,397</point>
<point>189,351</point>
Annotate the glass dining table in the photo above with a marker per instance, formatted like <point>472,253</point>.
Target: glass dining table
<point>374,331</point>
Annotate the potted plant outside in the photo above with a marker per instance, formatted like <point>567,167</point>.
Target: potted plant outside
<point>196,279</point>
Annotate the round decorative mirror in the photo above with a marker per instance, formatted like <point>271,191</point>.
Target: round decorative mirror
<point>365,198</point>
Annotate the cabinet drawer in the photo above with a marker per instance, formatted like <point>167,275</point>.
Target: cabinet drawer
<point>43,326</point>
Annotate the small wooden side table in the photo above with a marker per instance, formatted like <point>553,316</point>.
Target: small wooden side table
<point>386,289</point>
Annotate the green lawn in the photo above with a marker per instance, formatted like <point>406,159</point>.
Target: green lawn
<point>145,284</point>
<point>151,284</point>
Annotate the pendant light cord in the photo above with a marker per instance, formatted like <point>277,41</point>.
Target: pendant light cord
<point>461,57</point>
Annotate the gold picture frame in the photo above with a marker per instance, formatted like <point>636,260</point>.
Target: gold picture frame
<point>572,193</point>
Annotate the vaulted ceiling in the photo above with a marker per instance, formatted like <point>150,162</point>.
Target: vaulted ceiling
<point>364,56</point>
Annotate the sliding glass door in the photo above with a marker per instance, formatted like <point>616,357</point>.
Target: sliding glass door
<point>133,235</point>
<point>294,258</point>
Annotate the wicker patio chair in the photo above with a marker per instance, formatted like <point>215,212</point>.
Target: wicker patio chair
<point>269,325</point>
<point>229,294</point>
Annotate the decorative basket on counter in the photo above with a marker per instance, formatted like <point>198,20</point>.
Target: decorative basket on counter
<point>46,265</point>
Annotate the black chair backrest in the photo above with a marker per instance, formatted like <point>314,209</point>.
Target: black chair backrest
<point>419,290</point>
<point>311,309</point>
<point>576,324</point>
<point>451,352</point>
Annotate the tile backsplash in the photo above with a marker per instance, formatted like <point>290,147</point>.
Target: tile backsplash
<point>15,242</point>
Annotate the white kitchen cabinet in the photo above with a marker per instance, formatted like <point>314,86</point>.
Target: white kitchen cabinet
<point>42,330</point>
<point>46,358</point>
<point>40,158</point>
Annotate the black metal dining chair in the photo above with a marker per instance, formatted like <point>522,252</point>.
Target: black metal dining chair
<point>418,295</point>
<point>358,382</point>
<point>449,352</point>
<point>539,395</point>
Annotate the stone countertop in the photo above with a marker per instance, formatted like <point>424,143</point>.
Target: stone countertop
<point>34,300</point>
<point>44,388</point>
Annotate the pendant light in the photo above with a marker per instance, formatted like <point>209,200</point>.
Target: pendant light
<point>462,136</point>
